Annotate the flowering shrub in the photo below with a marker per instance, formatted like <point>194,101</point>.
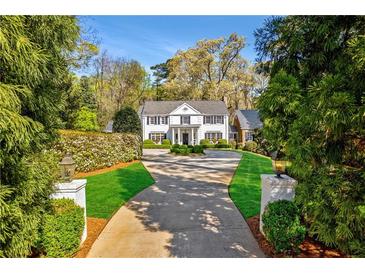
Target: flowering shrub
<point>94,150</point>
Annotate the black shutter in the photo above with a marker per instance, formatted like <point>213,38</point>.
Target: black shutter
<point>164,136</point>
<point>204,120</point>
<point>148,120</point>
<point>158,120</point>
<point>149,136</point>
<point>180,120</point>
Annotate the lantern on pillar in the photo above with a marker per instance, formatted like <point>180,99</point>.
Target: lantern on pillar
<point>67,166</point>
<point>278,163</point>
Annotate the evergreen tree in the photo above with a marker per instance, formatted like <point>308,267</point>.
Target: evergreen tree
<point>314,109</point>
<point>36,53</point>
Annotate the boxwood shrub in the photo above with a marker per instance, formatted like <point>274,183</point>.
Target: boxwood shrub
<point>62,229</point>
<point>166,142</point>
<point>148,142</point>
<point>281,225</point>
<point>94,150</point>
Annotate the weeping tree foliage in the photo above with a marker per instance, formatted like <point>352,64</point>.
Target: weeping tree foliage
<point>36,53</point>
<point>314,109</point>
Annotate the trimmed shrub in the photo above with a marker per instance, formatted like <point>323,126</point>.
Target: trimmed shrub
<point>222,141</point>
<point>166,142</point>
<point>86,120</point>
<point>222,146</point>
<point>281,225</point>
<point>190,146</point>
<point>198,149</point>
<point>183,147</point>
<point>250,146</point>
<point>155,146</point>
<point>94,150</point>
<point>148,142</point>
<point>126,120</point>
<point>205,142</point>
<point>62,229</point>
<point>175,146</point>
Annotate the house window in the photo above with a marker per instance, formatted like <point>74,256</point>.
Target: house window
<point>218,119</point>
<point>208,119</point>
<point>213,136</point>
<point>163,120</point>
<point>211,119</point>
<point>185,120</point>
<point>157,137</point>
<point>249,136</point>
<point>153,120</point>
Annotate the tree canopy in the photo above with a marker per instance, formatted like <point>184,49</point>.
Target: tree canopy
<point>314,110</point>
<point>36,55</point>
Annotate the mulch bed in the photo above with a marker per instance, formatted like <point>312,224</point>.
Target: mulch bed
<point>104,170</point>
<point>308,249</point>
<point>94,227</point>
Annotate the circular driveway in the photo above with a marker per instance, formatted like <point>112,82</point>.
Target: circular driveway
<point>186,213</point>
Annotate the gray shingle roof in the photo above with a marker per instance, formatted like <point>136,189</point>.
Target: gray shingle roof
<point>249,119</point>
<point>165,107</point>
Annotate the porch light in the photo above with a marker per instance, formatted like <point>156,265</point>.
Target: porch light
<point>278,164</point>
<point>67,166</point>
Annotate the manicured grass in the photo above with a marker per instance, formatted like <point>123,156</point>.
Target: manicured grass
<point>245,188</point>
<point>105,193</point>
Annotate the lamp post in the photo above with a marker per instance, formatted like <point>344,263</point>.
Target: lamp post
<point>67,166</point>
<point>278,165</point>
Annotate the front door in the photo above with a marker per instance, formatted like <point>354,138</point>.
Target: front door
<point>185,138</point>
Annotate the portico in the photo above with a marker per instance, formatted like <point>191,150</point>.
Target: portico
<point>184,134</point>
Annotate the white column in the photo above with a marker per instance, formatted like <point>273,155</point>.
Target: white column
<point>273,189</point>
<point>191,136</point>
<point>173,136</point>
<point>178,136</point>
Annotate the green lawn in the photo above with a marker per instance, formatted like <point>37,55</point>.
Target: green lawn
<point>107,192</point>
<point>245,188</point>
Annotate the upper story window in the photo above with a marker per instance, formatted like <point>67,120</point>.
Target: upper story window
<point>157,120</point>
<point>185,120</point>
<point>219,119</point>
<point>163,120</point>
<point>214,119</point>
<point>152,120</point>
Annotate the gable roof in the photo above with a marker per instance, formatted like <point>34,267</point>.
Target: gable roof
<point>166,107</point>
<point>249,119</point>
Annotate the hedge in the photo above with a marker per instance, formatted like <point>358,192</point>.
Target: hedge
<point>156,146</point>
<point>62,229</point>
<point>95,150</point>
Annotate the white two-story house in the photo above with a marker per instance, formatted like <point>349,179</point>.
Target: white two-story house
<point>184,122</point>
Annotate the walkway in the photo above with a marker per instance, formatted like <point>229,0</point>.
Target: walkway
<point>186,213</point>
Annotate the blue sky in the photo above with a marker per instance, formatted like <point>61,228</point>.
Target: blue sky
<point>153,39</point>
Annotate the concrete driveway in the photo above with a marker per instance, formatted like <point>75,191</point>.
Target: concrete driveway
<point>186,213</point>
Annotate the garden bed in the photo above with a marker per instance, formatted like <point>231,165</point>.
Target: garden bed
<point>308,249</point>
<point>94,227</point>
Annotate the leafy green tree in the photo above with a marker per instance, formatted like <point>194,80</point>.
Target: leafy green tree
<point>86,120</point>
<point>127,120</point>
<point>36,53</point>
<point>315,100</point>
